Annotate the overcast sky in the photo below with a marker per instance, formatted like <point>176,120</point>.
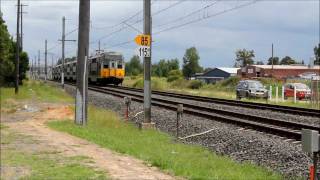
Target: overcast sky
<point>292,26</point>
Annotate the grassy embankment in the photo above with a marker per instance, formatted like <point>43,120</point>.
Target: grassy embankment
<point>223,89</point>
<point>22,157</point>
<point>154,147</point>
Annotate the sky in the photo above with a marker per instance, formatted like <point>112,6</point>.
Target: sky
<point>216,28</point>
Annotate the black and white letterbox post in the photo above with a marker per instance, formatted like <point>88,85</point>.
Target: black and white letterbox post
<point>311,144</point>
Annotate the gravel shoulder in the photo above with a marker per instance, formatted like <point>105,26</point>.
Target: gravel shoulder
<point>240,144</point>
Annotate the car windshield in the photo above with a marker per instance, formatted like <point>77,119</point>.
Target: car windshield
<point>255,85</point>
<point>301,86</point>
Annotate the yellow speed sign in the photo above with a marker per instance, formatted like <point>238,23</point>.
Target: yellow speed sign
<point>143,40</point>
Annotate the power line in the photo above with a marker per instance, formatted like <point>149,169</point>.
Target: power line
<point>205,17</point>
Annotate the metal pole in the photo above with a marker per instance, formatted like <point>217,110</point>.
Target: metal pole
<point>39,64</point>
<point>282,93</point>
<point>62,53</point>
<point>295,94</point>
<point>83,50</point>
<point>277,94</point>
<point>45,61</point>
<point>17,50</point>
<point>147,64</point>
<point>270,93</point>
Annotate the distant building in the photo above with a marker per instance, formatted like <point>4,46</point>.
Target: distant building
<point>276,71</point>
<point>217,74</point>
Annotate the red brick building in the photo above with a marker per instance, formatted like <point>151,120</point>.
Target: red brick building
<point>277,71</point>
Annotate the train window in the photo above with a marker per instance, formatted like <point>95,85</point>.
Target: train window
<point>119,66</point>
<point>112,65</point>
<point>105,66</point>
<point>94,60</point>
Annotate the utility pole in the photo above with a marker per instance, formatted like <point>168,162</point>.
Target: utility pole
<point>45,61</point>
<point>147,65</point>
<point>272,58</point>
<point>17,50</point>
<point>21,16</point>
<point>63,40</point>
<point>62,53</point>
<point>82,74</point>
<point>39,64</point>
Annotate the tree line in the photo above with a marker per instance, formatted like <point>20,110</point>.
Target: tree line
<point>245,57</point>
<point>7,57</point>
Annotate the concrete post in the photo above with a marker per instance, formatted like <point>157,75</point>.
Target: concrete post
<point>277,94</point>
<point>83,51</point>
<point>295,95</point>
<point>270,93</point>
<point>282,93</point>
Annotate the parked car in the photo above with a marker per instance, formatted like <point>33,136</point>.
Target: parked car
<point>250,89</point>
<point>302,91</point>
<point>307,75</point>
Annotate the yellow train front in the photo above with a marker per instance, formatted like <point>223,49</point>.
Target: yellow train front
<point>106,68</point>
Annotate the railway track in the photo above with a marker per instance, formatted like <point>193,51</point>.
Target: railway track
<point>252,105</point>
<point>287,129</point>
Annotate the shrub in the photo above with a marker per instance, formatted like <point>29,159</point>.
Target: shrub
<point>173,78</point>
<point>195,84</point>
<point>179,83</point>
<point>138,83</point>
<point>156,83</point>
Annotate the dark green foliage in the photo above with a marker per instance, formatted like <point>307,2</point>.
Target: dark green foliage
<point>244,57</point>
<point>174,75</point>
<point>195,84</point>
<point>276,61</point>
<point>287,61</point>
<point>163,67</point>
<point>191,63</point>
<point>134,66</point>
<point>259,63</point>
<point>316,51</point>
<point>7,57</point>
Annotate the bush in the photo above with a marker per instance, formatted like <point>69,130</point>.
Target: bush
<point>156,84</point>
<point>195,84</point>
<point>138,83</point>
<point>230,82</point>
<point>173,78</point>
<point>179,83</point>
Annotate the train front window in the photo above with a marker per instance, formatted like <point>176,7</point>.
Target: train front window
<point>106,66</point>
<point>119,66</point>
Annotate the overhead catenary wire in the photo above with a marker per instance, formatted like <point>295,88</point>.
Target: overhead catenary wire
<point>205,17</point>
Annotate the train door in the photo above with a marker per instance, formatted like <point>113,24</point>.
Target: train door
<point>93,70</point>
<point>113,65</point>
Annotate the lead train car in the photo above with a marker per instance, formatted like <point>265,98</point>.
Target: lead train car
<point>104,68</point>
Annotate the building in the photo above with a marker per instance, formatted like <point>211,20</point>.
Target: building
<point>276,71</point>
<point>217,74</point>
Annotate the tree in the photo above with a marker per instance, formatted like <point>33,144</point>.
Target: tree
<point>163,67</point>
<point>287,61</point>
<point>191,63</point>
<point>134,66</point>
<point>276,61</point>
<point>259,63</point>
<point>245,57</point>
<point>316,51</point>
<point>7,57</point>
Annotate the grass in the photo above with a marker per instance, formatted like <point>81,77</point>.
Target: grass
<point>42,164</point>
<point>223,89</point>
<point>40,90</point>
<point>159,149</point>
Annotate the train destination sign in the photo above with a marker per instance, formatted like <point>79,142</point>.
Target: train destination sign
<point>143,51</point>
<point>143,40</point>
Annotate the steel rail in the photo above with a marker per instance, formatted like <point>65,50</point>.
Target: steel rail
<point>252,105</point>
<point>279,127</point>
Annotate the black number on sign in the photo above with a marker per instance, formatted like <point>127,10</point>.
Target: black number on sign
<point>144,41</point>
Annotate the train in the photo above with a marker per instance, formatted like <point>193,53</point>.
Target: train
<point>103,68</point>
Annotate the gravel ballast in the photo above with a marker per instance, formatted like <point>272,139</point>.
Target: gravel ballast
<point>240,144</point>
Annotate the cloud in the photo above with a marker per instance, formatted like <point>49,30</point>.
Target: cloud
<point>293,27</point>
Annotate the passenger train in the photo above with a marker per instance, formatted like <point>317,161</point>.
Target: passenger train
<point>103,68</point>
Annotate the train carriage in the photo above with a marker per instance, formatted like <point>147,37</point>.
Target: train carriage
<point>103,68</point>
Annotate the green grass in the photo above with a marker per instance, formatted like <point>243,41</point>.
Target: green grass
<point>223,89</point>
<point>159,149</point>
<point>42,164</point>
<point>35,89</point>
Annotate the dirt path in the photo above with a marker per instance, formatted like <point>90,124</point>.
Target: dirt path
<point>31,119</point>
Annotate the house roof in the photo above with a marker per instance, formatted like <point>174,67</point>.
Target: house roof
<point>228,70</point>
<point>286,67</point>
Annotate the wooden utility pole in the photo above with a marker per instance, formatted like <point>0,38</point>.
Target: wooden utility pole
<point>82,74</point>
<point>147,64</point>
<point>45,61</point>
<point>17,49</point>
